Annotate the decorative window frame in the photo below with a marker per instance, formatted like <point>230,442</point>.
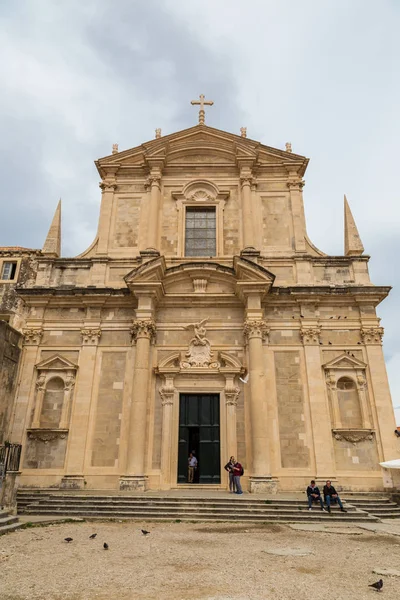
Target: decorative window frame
<point>200,193</point>
<point>348,366</point>
<point>55,366</point>
<point>11,259</point>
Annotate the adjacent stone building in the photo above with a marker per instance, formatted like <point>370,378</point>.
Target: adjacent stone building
<point>203,318</point>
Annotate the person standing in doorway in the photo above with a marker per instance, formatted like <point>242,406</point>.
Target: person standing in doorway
<point>229,467</point>
<point>192,466</point>
<point>237,473</point>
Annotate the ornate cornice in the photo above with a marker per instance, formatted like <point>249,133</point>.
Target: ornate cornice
<point>143,329</point>
<point>372,335</point>
<point>256,328</point>
<point>354,436</point>
<point>90,337</point>
<point>310,335</point>
<point>47,435</point>
<point>32,337</point>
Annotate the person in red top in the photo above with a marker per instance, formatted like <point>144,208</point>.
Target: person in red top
<point>237,473</point>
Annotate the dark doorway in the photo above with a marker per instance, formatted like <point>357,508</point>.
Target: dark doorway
<point>199,432</point>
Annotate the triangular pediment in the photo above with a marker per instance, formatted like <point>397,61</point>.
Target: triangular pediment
<point>56,363</point>
<point>345,361</point>
<point>202,144</point>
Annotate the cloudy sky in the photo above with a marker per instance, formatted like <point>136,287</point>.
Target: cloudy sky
<point>323,74</point>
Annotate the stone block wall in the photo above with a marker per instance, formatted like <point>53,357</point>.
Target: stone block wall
<point>10,351</point>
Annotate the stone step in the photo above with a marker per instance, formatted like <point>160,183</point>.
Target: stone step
<point>10,528</point>
<point>8,520</point>
<point>174,510</point>
<point>200,516</point>
<point>177,504</point>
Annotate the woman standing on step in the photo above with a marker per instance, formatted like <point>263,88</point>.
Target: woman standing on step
<point>229,467</point>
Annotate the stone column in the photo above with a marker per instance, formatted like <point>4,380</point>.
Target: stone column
<point>232,392</point>
<point>257,216</point>
<point>108,188</point>
<point>245,181</point>
<point>295,185</point>
<point>78,430</point>
<point>143,331</point>
<point>319,407</point>
<point>167,393</point>
<point>260,479</point>
<point>380,396</point>
<point>155,197</point>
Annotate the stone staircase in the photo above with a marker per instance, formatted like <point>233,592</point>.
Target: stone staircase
<point>181,508</point>
<point>379,506</point>
<point>8,522</point>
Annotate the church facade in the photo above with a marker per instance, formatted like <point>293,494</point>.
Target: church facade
<point>202,318</point>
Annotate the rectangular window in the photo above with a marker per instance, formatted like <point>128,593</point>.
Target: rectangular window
<point>8,271</point>
<point>200,231</point>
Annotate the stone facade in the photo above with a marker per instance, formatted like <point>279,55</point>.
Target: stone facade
<point>286,336</point>
<point>10,351</point>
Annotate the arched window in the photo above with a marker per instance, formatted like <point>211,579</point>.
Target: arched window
<point>349,403</point>
<point>52,403</point>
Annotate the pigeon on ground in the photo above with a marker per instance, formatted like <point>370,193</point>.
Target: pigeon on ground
<point>145,532</point>
<point>378,585</point>
<point>105,546</point>
<point>68,540</point>
<point>91,537</point>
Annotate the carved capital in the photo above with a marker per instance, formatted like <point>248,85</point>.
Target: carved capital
<point>372,335</point>
<point>41,383</point>
<point>361,382</point>
<point>310,335</point>
<point>330,380</point>
<point>90,337</point>
<point>108,186</point>
<point>232,395</point>
<point>296,184</point>
<point>255,329</point>
<point>246,180</point>
<point>143,329</point>
<point>167,394</point>
<point>354,436</point>
<point>69,382</point>
<point>32,337</point>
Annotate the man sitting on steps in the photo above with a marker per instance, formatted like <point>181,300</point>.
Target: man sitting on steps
<point>314,495</point>
<point>331,495</point>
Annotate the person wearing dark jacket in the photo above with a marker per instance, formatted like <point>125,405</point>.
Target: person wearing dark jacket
<point>229,467</point>
<point>314,495</point>
<point>237,473</point>
<point>331,495</point>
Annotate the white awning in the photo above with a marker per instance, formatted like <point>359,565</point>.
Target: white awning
<point>391,464</point>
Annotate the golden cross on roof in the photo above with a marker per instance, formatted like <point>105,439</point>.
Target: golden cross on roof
<point>202,102</point>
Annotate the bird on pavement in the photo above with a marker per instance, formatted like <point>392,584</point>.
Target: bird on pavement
<point>378,585</point>
<point>91,537</point>
<point>105,546</point>
<point>68,540</point>
<point>145,532</point>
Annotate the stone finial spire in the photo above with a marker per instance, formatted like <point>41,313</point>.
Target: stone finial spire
<point>352,242</point>
<point>158,133</point>
<point>288,147</point>
<point>52,245</point>
<point>243,131</point>
<point>115,148</point>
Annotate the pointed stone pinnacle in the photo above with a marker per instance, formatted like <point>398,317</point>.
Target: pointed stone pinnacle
<point>352,242</point>
<point>52,245</point>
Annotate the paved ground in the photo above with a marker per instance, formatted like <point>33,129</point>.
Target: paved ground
<point>183,561</point>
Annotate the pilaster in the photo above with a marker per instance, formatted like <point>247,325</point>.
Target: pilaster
<point>295,185</point>
<point>108,188</point>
